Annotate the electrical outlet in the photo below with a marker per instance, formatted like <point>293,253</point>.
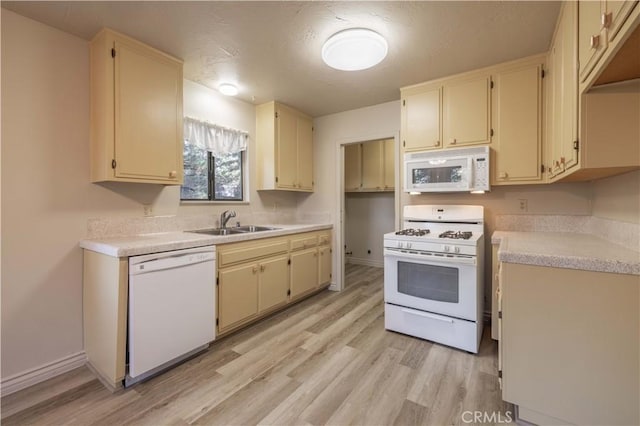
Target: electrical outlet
<point>523,204</point>
<point>147,209</point>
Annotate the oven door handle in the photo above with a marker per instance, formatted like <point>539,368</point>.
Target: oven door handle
<point>426,315</point>
<point>430,259</point>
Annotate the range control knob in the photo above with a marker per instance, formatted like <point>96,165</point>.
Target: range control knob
<point>447,248</point>
<point>457,250</point>
<point>400,245</point>
<point>408,245</point>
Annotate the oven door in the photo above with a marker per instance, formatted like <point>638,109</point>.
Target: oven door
<point>438,175</point>
<point>438,284</point>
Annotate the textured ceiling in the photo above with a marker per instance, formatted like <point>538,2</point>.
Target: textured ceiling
<point>271,50</point>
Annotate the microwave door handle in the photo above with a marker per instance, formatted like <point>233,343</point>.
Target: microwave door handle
<point>470,180</point>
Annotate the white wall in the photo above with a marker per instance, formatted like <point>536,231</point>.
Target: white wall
<point>618,197</point>
<point>47,197</point>
<point>368,216</point>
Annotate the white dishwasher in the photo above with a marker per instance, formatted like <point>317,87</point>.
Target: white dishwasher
<point>171,309</point>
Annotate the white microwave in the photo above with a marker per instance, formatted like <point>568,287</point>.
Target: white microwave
<point>450,170</point>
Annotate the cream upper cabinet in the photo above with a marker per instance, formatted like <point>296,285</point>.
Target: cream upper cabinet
<point>599,23</point>
<point>466,108</point>
<point>284,141</point>
<point>591,40</point>
<point>352,167</point>
<point>420,119</point>
<point>388,149</point>
<point>562,95</point>
<point>136,112</point>
<point>372,166</point>
<point>369,166</point>
<point>517,121</point>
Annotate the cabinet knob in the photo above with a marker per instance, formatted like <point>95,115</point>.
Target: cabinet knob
<point>254,269</point>
<point>503,175</point>
<point>262,268</point>
<point>606,19</point>
<point>378,187</point>
<point>437,143</point>
<point>562,160</point>
<point>595,41</point>
<point>173,174</point>
<point>454,141</point>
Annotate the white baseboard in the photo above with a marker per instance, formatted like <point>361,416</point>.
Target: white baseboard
<point>40,374</point>
<point>365,262</point>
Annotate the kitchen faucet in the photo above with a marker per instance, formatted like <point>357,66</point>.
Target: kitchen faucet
<point>225,216</point>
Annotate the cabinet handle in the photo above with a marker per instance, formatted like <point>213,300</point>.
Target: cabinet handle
<point>454,141</point>
<point>173,174</point>
<point>606,19</point>
<point>595,41</point>
<point>437,143</point>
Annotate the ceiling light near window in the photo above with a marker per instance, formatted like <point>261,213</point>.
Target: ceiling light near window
<point>228,89</point>
<point>354,49</point>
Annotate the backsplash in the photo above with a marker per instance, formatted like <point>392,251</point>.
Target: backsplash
<point>108,227</point>
<point>621,233</point>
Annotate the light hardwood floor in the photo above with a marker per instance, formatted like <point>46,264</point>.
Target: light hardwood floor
<point>326,360</point>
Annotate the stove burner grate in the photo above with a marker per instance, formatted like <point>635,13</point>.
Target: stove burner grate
<point>411,232</point>
<point>457,235</point>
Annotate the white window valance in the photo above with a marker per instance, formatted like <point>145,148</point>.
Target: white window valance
<point>212,137</point>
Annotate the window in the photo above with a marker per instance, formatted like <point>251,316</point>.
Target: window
<point>214,161</point>
<point>210,178</point>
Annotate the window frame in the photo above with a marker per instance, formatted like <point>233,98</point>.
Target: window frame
<point>211,184</point>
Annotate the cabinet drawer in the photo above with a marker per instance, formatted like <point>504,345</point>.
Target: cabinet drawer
<point>324,239</point>
<point>303,242</point>
<point>244,252</point>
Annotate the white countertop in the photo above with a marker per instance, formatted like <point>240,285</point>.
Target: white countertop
<point>153,243</point>
<point>566,250</point>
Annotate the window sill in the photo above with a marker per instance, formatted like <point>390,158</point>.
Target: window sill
<point>207,202</point>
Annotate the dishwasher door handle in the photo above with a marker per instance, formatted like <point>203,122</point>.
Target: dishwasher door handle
<point>170,262</point>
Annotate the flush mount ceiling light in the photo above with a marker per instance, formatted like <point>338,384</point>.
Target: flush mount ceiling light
<point>228,89</point>
<point>354,49</point>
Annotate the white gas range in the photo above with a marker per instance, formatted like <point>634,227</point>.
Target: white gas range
<point>433,275</point>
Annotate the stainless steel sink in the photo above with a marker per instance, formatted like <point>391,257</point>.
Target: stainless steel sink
<point>252,228</point>
<point>215,231</point>
<point>235,230</point>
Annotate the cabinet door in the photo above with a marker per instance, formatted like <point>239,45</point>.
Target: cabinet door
<point>421,120</point>
<point>304,271</point>
<point>467,113</point>
<point>618,11</point>
<point>148,114</point>
<point>304,131</point>
<point>389,160</point>
<point>237,295</point>
<point>591,43</point>
<point>287,148</point>
<point>352,167</point>
<point>518,125</point>
<point>274,283</point>
<point>324,266</point>
<point>568,118</point>
<point>372,167</point>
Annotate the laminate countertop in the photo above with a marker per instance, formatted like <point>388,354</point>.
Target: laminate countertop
<point>566,250</point>
<point>153,243</point>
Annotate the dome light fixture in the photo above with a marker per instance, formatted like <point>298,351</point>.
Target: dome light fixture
<point>354,49</point>
<point>228,89</point>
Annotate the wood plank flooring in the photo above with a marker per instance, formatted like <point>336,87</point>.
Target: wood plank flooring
<point>326,360</point>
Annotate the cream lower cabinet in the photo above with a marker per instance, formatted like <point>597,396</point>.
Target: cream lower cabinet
<point>261,276</point>
<point>517,124</point>
<point>304,272</point>
<point>569,345</point>
<point>136,112</point>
